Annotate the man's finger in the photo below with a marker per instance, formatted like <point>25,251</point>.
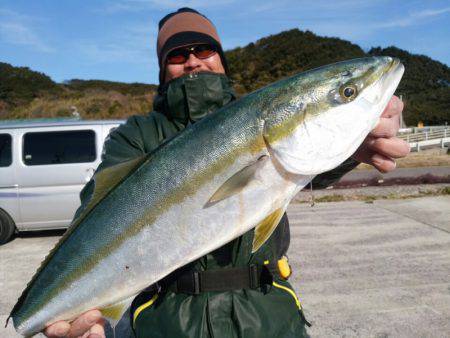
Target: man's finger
<point>383,163</point>
<point>386,127</point>
<point>380,162</point>
<point>390,147</point>
<point>58,329</point>
<point>97,331</point>
<point>393,108</point>
<point>84,323</point>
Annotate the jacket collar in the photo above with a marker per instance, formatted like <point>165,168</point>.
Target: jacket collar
<point>191,97</point>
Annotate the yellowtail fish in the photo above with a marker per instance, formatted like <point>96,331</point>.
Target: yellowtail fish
<point>234,170</point>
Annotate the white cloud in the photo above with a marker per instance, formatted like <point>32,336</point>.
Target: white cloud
<point>413,18</point>
<point>264,7</point>
<point>108,52</point>
<point>134,44</point>
<point>432,12</point>
<point>357,26</point>
<point>138,5</point>
<point>18,29</point>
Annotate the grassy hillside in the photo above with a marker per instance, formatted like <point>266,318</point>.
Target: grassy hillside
<point>27,94</point>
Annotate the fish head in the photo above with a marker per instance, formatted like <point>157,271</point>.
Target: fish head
<point>316,120</point>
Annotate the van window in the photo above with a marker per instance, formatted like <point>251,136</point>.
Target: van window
<point>5,150</point>
<point>59,147</point>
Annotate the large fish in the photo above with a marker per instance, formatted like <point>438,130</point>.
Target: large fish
<point>234,170</point>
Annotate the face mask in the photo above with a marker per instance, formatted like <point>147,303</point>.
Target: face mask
<point>193,96</point>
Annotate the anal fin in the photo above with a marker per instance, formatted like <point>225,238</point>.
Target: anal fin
<point>114,312</point>
<point>265,228</point>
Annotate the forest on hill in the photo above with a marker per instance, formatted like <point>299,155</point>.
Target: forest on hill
<point>425,87</point>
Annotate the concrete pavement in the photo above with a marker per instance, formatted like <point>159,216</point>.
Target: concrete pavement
<point>377,269</point>
<point>374,270</point>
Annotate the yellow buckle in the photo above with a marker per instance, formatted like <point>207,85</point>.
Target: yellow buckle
<point>284,268</point>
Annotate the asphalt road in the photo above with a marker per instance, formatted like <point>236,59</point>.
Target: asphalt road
<point>361,270</point>
<point>419,175</point>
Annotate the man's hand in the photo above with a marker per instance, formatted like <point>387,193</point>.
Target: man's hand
<point>89,325</point>
<point>381,147</point>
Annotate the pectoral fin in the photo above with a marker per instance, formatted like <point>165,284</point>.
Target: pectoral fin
<point>236,183</point>
<point>265,228</point>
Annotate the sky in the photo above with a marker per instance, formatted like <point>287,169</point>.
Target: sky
<point>116,40</point>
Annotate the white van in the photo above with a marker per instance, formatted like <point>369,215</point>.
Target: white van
<point>44,164</point>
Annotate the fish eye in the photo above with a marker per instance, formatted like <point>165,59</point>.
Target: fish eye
<point>348,92</point>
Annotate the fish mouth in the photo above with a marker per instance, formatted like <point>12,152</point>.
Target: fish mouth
<point>393,74</point>
<point>391,78</point>
<point>380,92</point>
<point>394,64</point>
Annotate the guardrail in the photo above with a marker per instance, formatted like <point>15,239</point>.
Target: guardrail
<point>415,130</point>
<point>438,136</point>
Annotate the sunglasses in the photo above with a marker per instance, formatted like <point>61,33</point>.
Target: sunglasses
<point>181,55</point>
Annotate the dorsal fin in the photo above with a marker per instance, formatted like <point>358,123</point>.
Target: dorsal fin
<point>105,181</point>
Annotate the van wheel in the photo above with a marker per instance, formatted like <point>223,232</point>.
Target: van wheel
<point>7,227</point>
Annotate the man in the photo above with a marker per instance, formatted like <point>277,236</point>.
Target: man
<point>193,83</point>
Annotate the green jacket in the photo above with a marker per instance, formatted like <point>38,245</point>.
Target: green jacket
<point>270,311</point>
